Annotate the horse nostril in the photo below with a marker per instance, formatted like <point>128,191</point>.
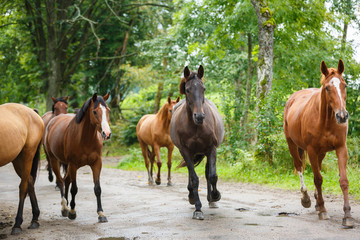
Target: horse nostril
<point>109,136</point>
<point>346,115</point>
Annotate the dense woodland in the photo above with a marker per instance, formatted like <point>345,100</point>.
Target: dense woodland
<point>255,54</point>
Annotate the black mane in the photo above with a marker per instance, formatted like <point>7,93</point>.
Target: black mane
<point>80,114</point>
<point>59,99</point>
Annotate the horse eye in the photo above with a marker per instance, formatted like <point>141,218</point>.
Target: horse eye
<point>95,113</point>
<point>170,110</point>
<point>187,90</point>
<point>327,88</point>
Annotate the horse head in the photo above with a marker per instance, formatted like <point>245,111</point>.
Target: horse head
<point>334,88</point>
<point>193,87</point>
<point>99,115</point>
<point>169,106</point>
<point>60,105</point>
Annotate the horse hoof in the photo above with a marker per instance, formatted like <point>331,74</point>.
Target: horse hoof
<point>102,219</point>
<point>348,222</point>
<point>34,225</point>
<point>323,216</point>
<point>213,205</point>
<point>158,182</point>
<point>71,215</point>
<point>215,196</point>
<point>198,215</point>
<point>170,184</point>
<point>65,212</point>
<point>306,203</point>
<point>16,230</point>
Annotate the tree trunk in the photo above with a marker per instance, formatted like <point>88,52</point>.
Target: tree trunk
<point>248,82</point>
<point>343,40</point>
<point>266,25</point>
<point>158,97</point>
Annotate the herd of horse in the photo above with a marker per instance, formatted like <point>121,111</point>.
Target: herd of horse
<point>315,122</point>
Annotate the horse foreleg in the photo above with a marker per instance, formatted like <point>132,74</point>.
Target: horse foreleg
<point>170,150</point>
<point>211,178</point>
<point>341,153</point>
<point>96,169</point>
<point>318,180</point>
<point>158,162</point>
<point>193,186</point>
<point>34,204</point>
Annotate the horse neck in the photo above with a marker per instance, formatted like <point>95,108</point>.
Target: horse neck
<point>162,115</point>
<point>86,129</point>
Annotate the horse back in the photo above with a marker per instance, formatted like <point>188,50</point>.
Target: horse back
<point>21,127</point>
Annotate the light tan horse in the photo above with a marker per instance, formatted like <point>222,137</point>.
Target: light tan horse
<point>315,121</point>
<point>20,139</point>
<point>154,130</point>
<point>77,140</point>
<point>60,106</point>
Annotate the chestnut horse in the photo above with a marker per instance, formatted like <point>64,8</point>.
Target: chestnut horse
<point>315,121</point>
<point>154,130</point>
<point>20,139</point>
<point>197,129</point>
<point>77,141</point>
<point>60,106</point>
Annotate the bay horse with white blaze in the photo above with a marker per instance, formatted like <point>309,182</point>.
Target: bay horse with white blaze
<point>60,106</point>
<point>315,121</point>
<point>20,139</point>
<point>154,130</point>
<point>77,140</point>
<point>197,130</point>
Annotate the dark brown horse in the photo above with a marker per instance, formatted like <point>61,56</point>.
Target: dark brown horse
<point>20,139</point>
<point>154,130</point>
<point>60,106</point>
<point>77,140</point>
<point>197,130</point>
<point>315,121</point>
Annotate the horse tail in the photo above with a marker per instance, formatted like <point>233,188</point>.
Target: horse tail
<point>35,163</point>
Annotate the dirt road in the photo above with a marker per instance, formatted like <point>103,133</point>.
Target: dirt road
<point>138,211</point>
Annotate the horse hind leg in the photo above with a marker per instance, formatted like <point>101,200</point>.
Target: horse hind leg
<point>146,154</point>
<point>298,156</point>
<point>159,164</point>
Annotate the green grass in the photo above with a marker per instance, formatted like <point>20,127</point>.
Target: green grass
<point>249,170</point>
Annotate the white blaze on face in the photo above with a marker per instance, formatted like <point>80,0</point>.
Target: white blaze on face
<point>104,123</point>
<point>336,83</point>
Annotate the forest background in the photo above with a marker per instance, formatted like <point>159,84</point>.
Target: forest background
<point>255,55</point>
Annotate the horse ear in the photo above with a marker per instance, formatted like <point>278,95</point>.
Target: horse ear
<point>66,98</point>
<point>200,72</point>
<point>94,97</point>
<point>341,67</point>
<point>324,69</point>
<point>106,97</point>
<point>53,99</point>
<point>182,86</point>
<point>169,100</point>
<point>186,72</point>
<point>178,99</point>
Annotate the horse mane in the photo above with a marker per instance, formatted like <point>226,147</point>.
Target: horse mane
<point>323,77</point>
<point>185,80</point>
<point>81,113</point>
<point>59,99</point>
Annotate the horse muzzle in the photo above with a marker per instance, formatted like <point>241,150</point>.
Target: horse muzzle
<point>105,135</point>
<point>199,118</point>
<point>342,116</point>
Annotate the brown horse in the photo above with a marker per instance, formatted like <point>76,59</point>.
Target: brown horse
<point>60,106</point>
<point>154,130</point>
<point>197,130</point>
<point>77,141</point>
<point>315,121</point>
<point>20,139</point>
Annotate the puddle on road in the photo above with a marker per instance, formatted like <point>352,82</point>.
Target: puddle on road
<point>118,238</point>
<point>241,209</point>
<point>251,224</point>
<point>287,214</point>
